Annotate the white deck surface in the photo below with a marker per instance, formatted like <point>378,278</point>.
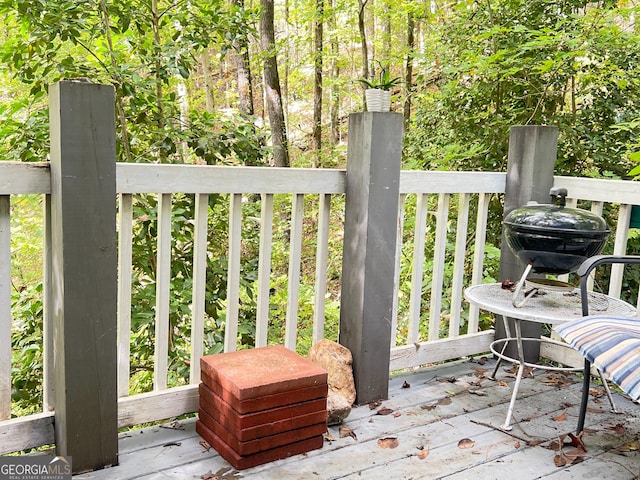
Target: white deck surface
<point>437,408</point>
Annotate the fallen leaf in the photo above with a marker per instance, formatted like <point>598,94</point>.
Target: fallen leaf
<point>466,443</point>
<point>560,460</point>
<point>502,383</point>
<point>374,405</point>
<point>618,428</point>
<point>173,426</point>
<point>508,284</point>
<point>479,393</point>
<point>560,418</point>
<point>516,445</point>
<point>205,445</point>
<point>482,360</point>
<point>172,444</point>
<point>328,437</point>
<point>347,432</point>
<point>388,442</point>
<point>480,372</point>
<point>422,454</point>
<point>406,384</point>
<point>384,411</point>
<point>444,401</point>
<point>429,407</point>
<point>632,446</point>
<point>397,414</point>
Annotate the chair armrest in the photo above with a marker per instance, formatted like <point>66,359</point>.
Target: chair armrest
<point>592,262</point>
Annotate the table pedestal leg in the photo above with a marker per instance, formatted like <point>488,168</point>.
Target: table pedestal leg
<point>516,385</point>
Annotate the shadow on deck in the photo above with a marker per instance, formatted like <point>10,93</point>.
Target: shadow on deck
<point>432,411</point>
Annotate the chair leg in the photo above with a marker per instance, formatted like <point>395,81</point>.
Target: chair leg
<point>605,384</point>
<point>585,396</point>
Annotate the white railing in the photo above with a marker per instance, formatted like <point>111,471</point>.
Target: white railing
<point>447,198</point>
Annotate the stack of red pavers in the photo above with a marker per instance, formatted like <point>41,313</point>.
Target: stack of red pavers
<point>261,405</point>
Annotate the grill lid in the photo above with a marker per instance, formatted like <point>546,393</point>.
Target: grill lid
<point>556,217</point>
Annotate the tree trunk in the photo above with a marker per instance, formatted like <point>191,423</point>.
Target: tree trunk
<point>335,74</point>
<point>208,83</point>
<point>272,86</point>
<point>317,85</point>
<point>408,79</point>
<point>363,39</point>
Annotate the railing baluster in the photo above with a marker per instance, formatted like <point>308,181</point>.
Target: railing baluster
<point>478,255</point>
<point>5,307</point>
<point>322,254</point>
<point>125,254</point>
<point>597,208</point>
<point>163,283</point>
<point>417,266</point>
<point>459,260</point>
<point>619,248</point>
<point>264,270</point>
<point>396,280</point>
<point>295,255</point>
<point>437,278</point>
<point>233,275</point>
<point>48,367</point>
<point>199,283</point>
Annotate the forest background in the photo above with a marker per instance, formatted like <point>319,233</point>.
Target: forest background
<point>271,83</point>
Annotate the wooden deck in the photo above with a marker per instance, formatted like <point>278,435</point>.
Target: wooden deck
<point>433,410</point>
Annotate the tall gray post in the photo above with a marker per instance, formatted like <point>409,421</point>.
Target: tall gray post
<point>371,216</point>
<point>84,272</point>
<point>530,168</point>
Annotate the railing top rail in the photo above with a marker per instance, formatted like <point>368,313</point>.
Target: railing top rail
<point>418,181</point>
<point>153,178</point>
<point>600,190</point>
<point>24,178</point>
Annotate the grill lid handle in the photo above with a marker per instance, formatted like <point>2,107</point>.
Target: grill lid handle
<point>558,196</point>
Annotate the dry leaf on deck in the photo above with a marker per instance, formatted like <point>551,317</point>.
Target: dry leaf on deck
<point>384,411</point>
<point>560,418</point>
<point>406,384</point>
<point>444,401</point>
<point>388,442</point>
<point>347,432</point>
<point>516,445</point>
<point>328,437</point>
<point>205,445</point>
<point>502,383</point>
<point>466,443</point>
<point>423,454</point>
<point>479,393</point>
<point>632,446</point>
<point>374,405</point>
<point>618,428</point>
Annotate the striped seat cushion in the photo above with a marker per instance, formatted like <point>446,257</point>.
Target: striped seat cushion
<point>611,344</point>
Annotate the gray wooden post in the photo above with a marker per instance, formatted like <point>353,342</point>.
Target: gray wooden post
<point>83,258</point>
<point>371,216</point>
<point>530,168</point>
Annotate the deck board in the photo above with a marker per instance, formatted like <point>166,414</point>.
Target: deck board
<point>433,412</point>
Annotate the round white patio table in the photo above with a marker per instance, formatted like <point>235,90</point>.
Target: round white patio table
<point>544,306</point>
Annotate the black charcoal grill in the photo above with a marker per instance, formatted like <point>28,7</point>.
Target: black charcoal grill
<point>553,238</point>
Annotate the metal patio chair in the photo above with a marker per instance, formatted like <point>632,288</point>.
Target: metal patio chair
<point>610,343</point>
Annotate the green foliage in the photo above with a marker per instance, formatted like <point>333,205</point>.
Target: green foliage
<point>26,351</point>
<point>526,63</point>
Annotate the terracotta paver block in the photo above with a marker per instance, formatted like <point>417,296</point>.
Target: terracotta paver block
<point>263,371</point>
<point>261,444</point>
<point>265,422</point>
<point>241,462</point>
<point>266,402</point>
